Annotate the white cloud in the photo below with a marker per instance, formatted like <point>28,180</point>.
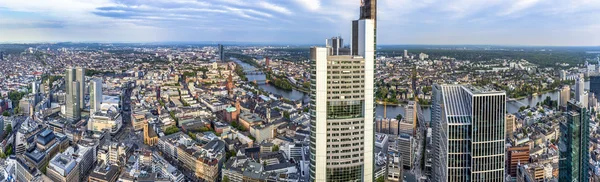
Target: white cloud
<point>311,5</point>
<point>274,7</point>
<point>518,6</point>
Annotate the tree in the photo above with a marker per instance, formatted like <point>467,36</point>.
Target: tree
<point>399,117</point>
<point>380,179</point>
<point>275,148</point>
<point>225,179</point>
<point>171,130</point>
<point>8,128</point>
<point>306,85</point>
<point>286,115</point>
<point>522,108</point>
<point>192,135</point>
<point>5,113</point>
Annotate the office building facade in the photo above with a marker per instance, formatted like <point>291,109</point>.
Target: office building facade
<point>565,96</point>
<point>80,78</point>
<point>221,52</point>
<point>95,94</point>
<point>342,108</point>
<point>573,144</point>
<point>595,84</point>
<point>469,134</point>
<point>510,124</point>
<point>72,108</point>
<point>579,89</point>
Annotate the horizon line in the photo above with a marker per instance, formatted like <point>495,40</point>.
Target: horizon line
<point>278,44</point>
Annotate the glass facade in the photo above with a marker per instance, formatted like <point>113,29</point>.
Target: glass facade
<point>573,144</point>
<point>469,134</point>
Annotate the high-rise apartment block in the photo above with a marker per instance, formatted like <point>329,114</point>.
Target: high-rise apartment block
<point>342,106</point>
<point>469,133</point>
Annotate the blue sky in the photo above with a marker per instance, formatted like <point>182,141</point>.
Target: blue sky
<point>502,22</point>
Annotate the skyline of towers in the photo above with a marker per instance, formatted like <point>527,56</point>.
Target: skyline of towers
<point>573,144</point>
<point>342,107</point>
<point>72,108</point>
<point>469,133</point>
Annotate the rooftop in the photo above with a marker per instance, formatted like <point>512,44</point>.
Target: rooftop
<point>63,164</point>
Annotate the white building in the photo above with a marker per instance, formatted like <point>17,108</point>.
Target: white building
<point>423,56</point>
<point>95,94</point>
<point>342,126</point>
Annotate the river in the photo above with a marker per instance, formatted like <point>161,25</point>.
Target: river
<point>392,111</point>
<point>513,106</point>
<point>254,74</point>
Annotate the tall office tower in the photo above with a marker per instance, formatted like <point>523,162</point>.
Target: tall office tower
<point>510,124</point>
<point>595,84</point>
<point>221,53</point>
<point>35,87</point>
<point>80,78</point>
<point>410,115</point>
<point>368,10</point>
<point>469,133</point>
<point>1,56</point>
<point>73,111</point>
<point>336,43</point>
<point>342,107</point>
<point>573,144</point>
<point>95,94</point>
<point>565,95</point>
<point>405,53</point>
<point>579,87</point>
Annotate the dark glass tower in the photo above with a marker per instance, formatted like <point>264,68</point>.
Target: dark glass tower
<point>595,85</point>
<point>573,145</point>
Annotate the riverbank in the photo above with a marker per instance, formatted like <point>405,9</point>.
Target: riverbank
<point>533,95</point>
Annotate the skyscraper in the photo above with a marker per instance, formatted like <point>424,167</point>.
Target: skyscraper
<point>579,88</point>
<point>368,10</point>
<point>80,78</point>
<point>73,111</point>
<point>469,133</point>
<point>336,44</point>
<point>95,94</point>
<point>510,124</point>
<point>221,53</point>
<point>35,87</point>
<point>342,109</point>
<point>573,144</point>
<point>595,84</point>
<point>565,96</point>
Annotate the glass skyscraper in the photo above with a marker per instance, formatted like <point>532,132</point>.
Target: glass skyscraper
<point>342,107</point>
<point>468,126</point>
<point>73,95</point>
<point>573,144</point>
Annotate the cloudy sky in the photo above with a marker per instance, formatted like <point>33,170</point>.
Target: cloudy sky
<point>502,22</point>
